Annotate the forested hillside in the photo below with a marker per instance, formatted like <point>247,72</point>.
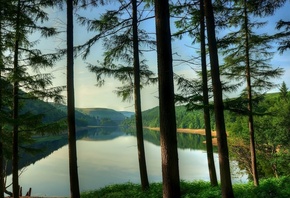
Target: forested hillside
<point>272,121</point>
<point>103,115</point>
<point>55,112</point>
<point>184,119</point>
<point>193,119</point>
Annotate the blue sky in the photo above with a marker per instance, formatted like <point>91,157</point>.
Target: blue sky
<point>88,95</point>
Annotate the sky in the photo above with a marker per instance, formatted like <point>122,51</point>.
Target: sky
<point>87,95</point>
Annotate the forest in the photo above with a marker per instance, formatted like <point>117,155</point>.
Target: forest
<point>271,136</point>
<point>231,50</point>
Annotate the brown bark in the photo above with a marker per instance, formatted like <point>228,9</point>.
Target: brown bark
<point>168,140</point>
<point>209,147</point>
<point>15,143</point>
<point>72,147</point>
<point>225,175</point>
<point>137,98</point>
<point>1,132</point>
<point>250,105</point>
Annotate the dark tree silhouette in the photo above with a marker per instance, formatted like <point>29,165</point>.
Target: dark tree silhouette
<point>15,179</point>
<point>168,141</point>
<point>225,174</point>
<point>137,98</point>
<point>209,147</point>
<point>72,147</point>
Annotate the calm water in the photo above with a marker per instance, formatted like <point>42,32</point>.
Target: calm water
<point>108,158</point>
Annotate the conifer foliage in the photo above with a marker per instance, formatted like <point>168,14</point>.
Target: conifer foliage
<point>18,56</point>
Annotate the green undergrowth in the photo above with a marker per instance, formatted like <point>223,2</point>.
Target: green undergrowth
<point>274,188</point>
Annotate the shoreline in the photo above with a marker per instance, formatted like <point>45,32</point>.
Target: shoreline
<point>191,131</point>
<point>185,130</point>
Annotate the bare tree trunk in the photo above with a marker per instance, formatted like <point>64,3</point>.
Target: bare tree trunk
<point>137,98</point>
<point>2,187</point>
<point>73,168</point>
<point>225,174</point>
<point>250,105</point>
<point>168,140</point>
<point>209,147</point>
<point>15,144</point>
<point>1,132</point>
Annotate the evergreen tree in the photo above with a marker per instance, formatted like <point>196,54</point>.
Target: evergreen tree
<point>16,29</point>
<point>121,36</point>
<point>283,36</point>
<point>1,124</point>
<point>284,91</point>
<point>209,147</point>
<point>194,92</point>
<point>73,168</point>
<point>1,105</point>
<point>168,141</point>
<point>15,179</point>
<point>225,174</point>
<point>137,98</point>
<point>247,59</point>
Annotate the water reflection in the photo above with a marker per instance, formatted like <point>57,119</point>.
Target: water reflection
<point>107,157</point>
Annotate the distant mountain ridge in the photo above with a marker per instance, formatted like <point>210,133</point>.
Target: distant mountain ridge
<point>84,116</point>
<point>103,113</point>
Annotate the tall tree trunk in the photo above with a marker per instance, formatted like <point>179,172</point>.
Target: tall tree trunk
<point>1,132</point>
<point>206,113</point>
<point>168,140</point>
<point>137,98</point>
<point>15,143</point>
<point>225,174</point>
<point>2,187</point>
<point>250,105</point>
<point>72,147</point>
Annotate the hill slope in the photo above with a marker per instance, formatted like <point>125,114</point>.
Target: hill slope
<point>189,119</point>
<point>184,118</point>
<point>54,112</point>
<point>103,113</point>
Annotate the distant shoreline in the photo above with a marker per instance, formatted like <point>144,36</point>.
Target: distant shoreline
<point>191,131</point>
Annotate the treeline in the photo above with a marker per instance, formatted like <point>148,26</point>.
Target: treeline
<point>272,121</point>
<point>184,118</point>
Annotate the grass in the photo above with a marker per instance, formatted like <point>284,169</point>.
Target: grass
<point>269,188</point>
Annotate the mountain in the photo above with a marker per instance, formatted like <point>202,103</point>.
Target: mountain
<point>184,118</point>
<point>194,119</point>
<point>84,116</point>
<point>103,113</point>
<point>54,112</point>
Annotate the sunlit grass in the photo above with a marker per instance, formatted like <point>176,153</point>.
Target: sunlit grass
<point>274,188</point>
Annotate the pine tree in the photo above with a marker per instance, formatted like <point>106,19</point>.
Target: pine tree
<point>137,98</point>
<point>225,174</point>
<point>1,125</point>
<point>209,147</point>
<point>122,38</point>
<point>247,59</point>
<point>16,30</point>
<point>168,141</point>
<point>283,36</point>
<point>15,180</point>
<point>73,168</point>
<point>284,91</point>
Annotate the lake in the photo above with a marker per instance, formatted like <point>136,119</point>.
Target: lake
<point>106,158</point>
